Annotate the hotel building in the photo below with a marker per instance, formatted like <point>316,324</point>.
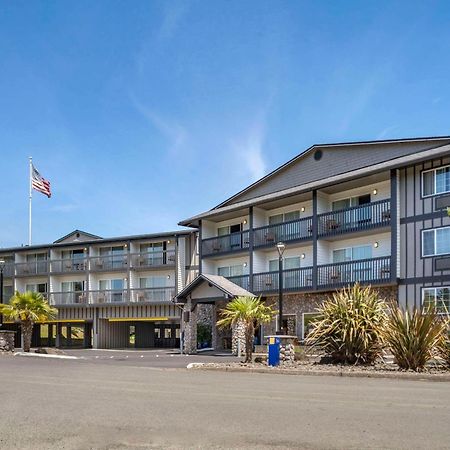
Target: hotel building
<point>110,293</point>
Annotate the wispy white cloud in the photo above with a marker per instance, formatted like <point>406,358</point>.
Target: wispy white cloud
<point>175,134</point>
<point>386,131</point>
<point>172,15</point>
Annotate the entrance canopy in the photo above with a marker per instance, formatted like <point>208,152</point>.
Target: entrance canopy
<point>209,288</point>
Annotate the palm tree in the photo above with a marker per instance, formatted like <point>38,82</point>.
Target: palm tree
<point>250,311</point>
<point>28,308</point>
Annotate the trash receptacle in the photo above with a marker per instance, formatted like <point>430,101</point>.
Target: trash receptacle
<point>274,350</point>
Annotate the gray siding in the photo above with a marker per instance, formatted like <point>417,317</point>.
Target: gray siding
<point>335,161</point>
<point>417,214</point>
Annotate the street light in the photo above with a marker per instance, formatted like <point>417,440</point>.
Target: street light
<point>280,247</point>
<point>2,267</point>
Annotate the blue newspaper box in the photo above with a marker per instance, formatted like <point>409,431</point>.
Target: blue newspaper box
<point>273,346</point>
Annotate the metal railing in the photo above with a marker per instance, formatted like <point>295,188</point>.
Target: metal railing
<point>68,265</point>
<point>241,280</point>
<point>225,244</point>
<point>373,270</point>
<point>294,230</point>
<point>152,295</point>
<point>68,298</point>
<point>109,296</point>
<point>152,259</point>
<point>370,215</point>
<point>32,268</point>
<point>8,270</point>
<point>293,279</point>
<point>108,262</point>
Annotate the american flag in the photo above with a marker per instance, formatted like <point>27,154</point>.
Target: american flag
<point>39,183</point>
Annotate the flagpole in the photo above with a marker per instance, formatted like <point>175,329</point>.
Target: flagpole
<point>30,198</point>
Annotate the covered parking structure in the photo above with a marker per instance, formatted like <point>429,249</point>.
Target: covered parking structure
<point>202,300</point>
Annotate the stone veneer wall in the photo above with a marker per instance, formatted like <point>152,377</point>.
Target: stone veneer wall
<point>6,341</point>
<point>295,305</point>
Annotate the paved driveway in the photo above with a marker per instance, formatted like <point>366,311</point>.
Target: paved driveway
<point>83,404</point>
<point>162,358</point>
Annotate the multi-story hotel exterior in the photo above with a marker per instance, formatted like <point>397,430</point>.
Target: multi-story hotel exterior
<point>368,212</point>
<point>110,293</point>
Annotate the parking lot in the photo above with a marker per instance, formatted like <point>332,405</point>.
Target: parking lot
<point>100,402</point>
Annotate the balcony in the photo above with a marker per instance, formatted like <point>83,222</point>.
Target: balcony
<point>150,260</point>
<point>108,263</point>
<point>357,218</point>
<point>108,296</point>
<point>300,279</point>
<point>367,271</point>
<point>295,230</point>
<point>241,280</point>
<point>153,295</point>
<point>229,243</point>
<point>68,265</point>
<point>68,298</point>
<point>8,270</point>
<point>32,268</point>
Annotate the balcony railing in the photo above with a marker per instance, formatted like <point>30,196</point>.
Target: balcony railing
<point>32,268</point>
<point>109,262</point>
<point>69,298</point>
<point>8,270</point>
<point>109,296</point>
<point>293,280</point>
<point>148,260</point>
<point>153,295</point>
<point>68,265</point>
<point>233,242</point>
<point>294,230</point>
<point>374,270</point>
<point>368,216</point>
<point>241,280</point>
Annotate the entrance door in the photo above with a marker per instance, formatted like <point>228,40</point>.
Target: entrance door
<point>235,236</point>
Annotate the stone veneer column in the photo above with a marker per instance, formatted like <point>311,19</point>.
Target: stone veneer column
<point>190,328</point>
<point>7,341</point>
<point>214,340</point>
<point>238,336</point>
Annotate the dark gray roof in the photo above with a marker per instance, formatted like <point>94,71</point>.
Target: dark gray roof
<point>221,283</point>
<point>137,237</point>
<point>337,160</point>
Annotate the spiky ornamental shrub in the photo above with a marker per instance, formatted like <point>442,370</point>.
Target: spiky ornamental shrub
<point>415,337</point>
<point>350,326</point>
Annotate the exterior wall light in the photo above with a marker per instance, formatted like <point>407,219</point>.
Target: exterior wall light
<point>376,244</point>
<point>168,241</point>
<point>375,191</point>
<point>168,277</point>
<point>303,256</point>
<point>303,209</point>
<point>245,264</point>
<point>245,222</point>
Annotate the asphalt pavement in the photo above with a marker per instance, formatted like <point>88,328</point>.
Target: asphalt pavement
<point>89,404</point>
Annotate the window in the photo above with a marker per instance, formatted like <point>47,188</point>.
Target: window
<point>288,263</point>
<point>352,253</point>
<point>232,271</point>
<point>436,181</point>
<point>437,297</point>
<point>351,201</point>
<point>436,241</point>
<point>153,282</point>
<point>39,287</point>
<point>286,217</point>
<point>72,286</point>
<point>116,284</point>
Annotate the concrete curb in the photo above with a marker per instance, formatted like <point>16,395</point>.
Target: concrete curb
<point>43,355</point>
<point>361,374</point>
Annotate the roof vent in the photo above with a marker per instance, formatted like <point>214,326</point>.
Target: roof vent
<point>318,155</point>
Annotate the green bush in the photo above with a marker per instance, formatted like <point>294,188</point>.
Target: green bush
<point>415,338</point>
<point>350,326</point>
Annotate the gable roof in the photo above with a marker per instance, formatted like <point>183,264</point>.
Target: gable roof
<point>338,161</point>
<point>77,236</point>
<point>223,284</point>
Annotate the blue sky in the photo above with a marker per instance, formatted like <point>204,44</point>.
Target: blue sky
<point>142,113</point>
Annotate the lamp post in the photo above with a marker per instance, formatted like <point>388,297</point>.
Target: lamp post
<point>2,267</point>
<point>280,247</point>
